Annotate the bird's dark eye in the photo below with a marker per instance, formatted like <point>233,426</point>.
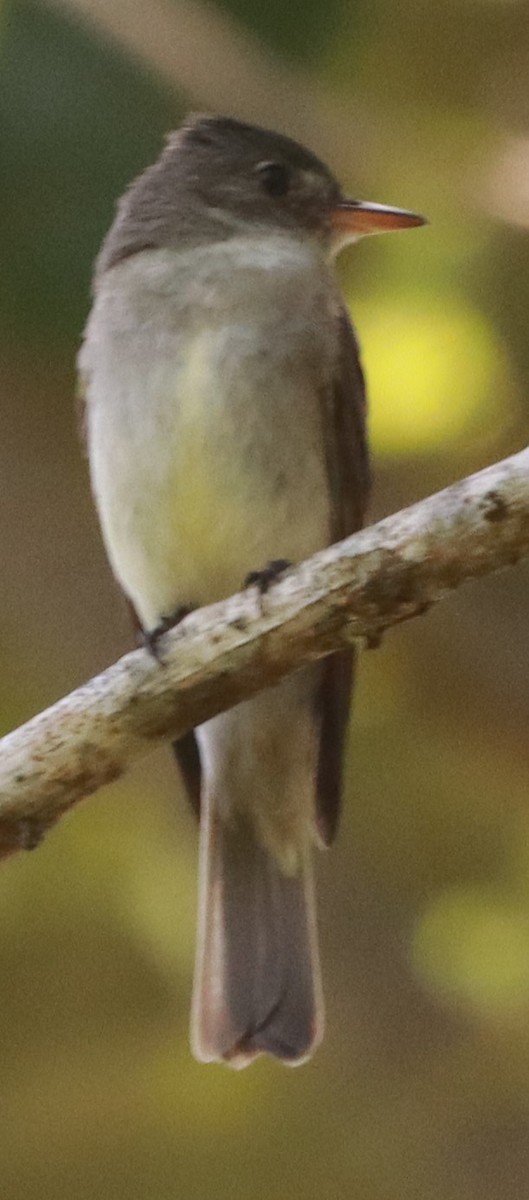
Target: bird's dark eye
<point>275,178</point>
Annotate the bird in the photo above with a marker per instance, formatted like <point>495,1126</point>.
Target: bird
<point>224,414</point>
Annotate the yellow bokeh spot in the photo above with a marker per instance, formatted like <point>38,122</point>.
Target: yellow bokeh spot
<point>159,906</point>
<point>432,372</point>
<point>471,947</point>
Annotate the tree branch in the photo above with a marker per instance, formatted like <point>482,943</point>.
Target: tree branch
<point>220,65</point>
<point>221,655</point>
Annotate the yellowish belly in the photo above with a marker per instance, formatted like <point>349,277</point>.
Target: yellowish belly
<point>214,478</point>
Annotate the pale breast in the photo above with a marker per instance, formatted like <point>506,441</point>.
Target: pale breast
<point>204,421</point>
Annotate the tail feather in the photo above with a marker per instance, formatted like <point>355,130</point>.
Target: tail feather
<point>257,982</point>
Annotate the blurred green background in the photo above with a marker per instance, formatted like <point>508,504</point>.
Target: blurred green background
<point>420,1090</point>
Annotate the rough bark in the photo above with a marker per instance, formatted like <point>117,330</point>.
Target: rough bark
<point>218,656</point>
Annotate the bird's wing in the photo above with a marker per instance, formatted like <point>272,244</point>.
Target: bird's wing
<point>344,421</point>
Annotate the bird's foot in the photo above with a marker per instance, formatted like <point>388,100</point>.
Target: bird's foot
<point>267,576</point>
<point>151,637</point>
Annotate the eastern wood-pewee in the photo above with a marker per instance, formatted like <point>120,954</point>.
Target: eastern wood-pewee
<point>225,425</point>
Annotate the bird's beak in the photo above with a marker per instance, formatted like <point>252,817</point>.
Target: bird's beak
<point>352,219</point>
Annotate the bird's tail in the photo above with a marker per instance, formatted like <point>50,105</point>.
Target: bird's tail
<point>257,980</point>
